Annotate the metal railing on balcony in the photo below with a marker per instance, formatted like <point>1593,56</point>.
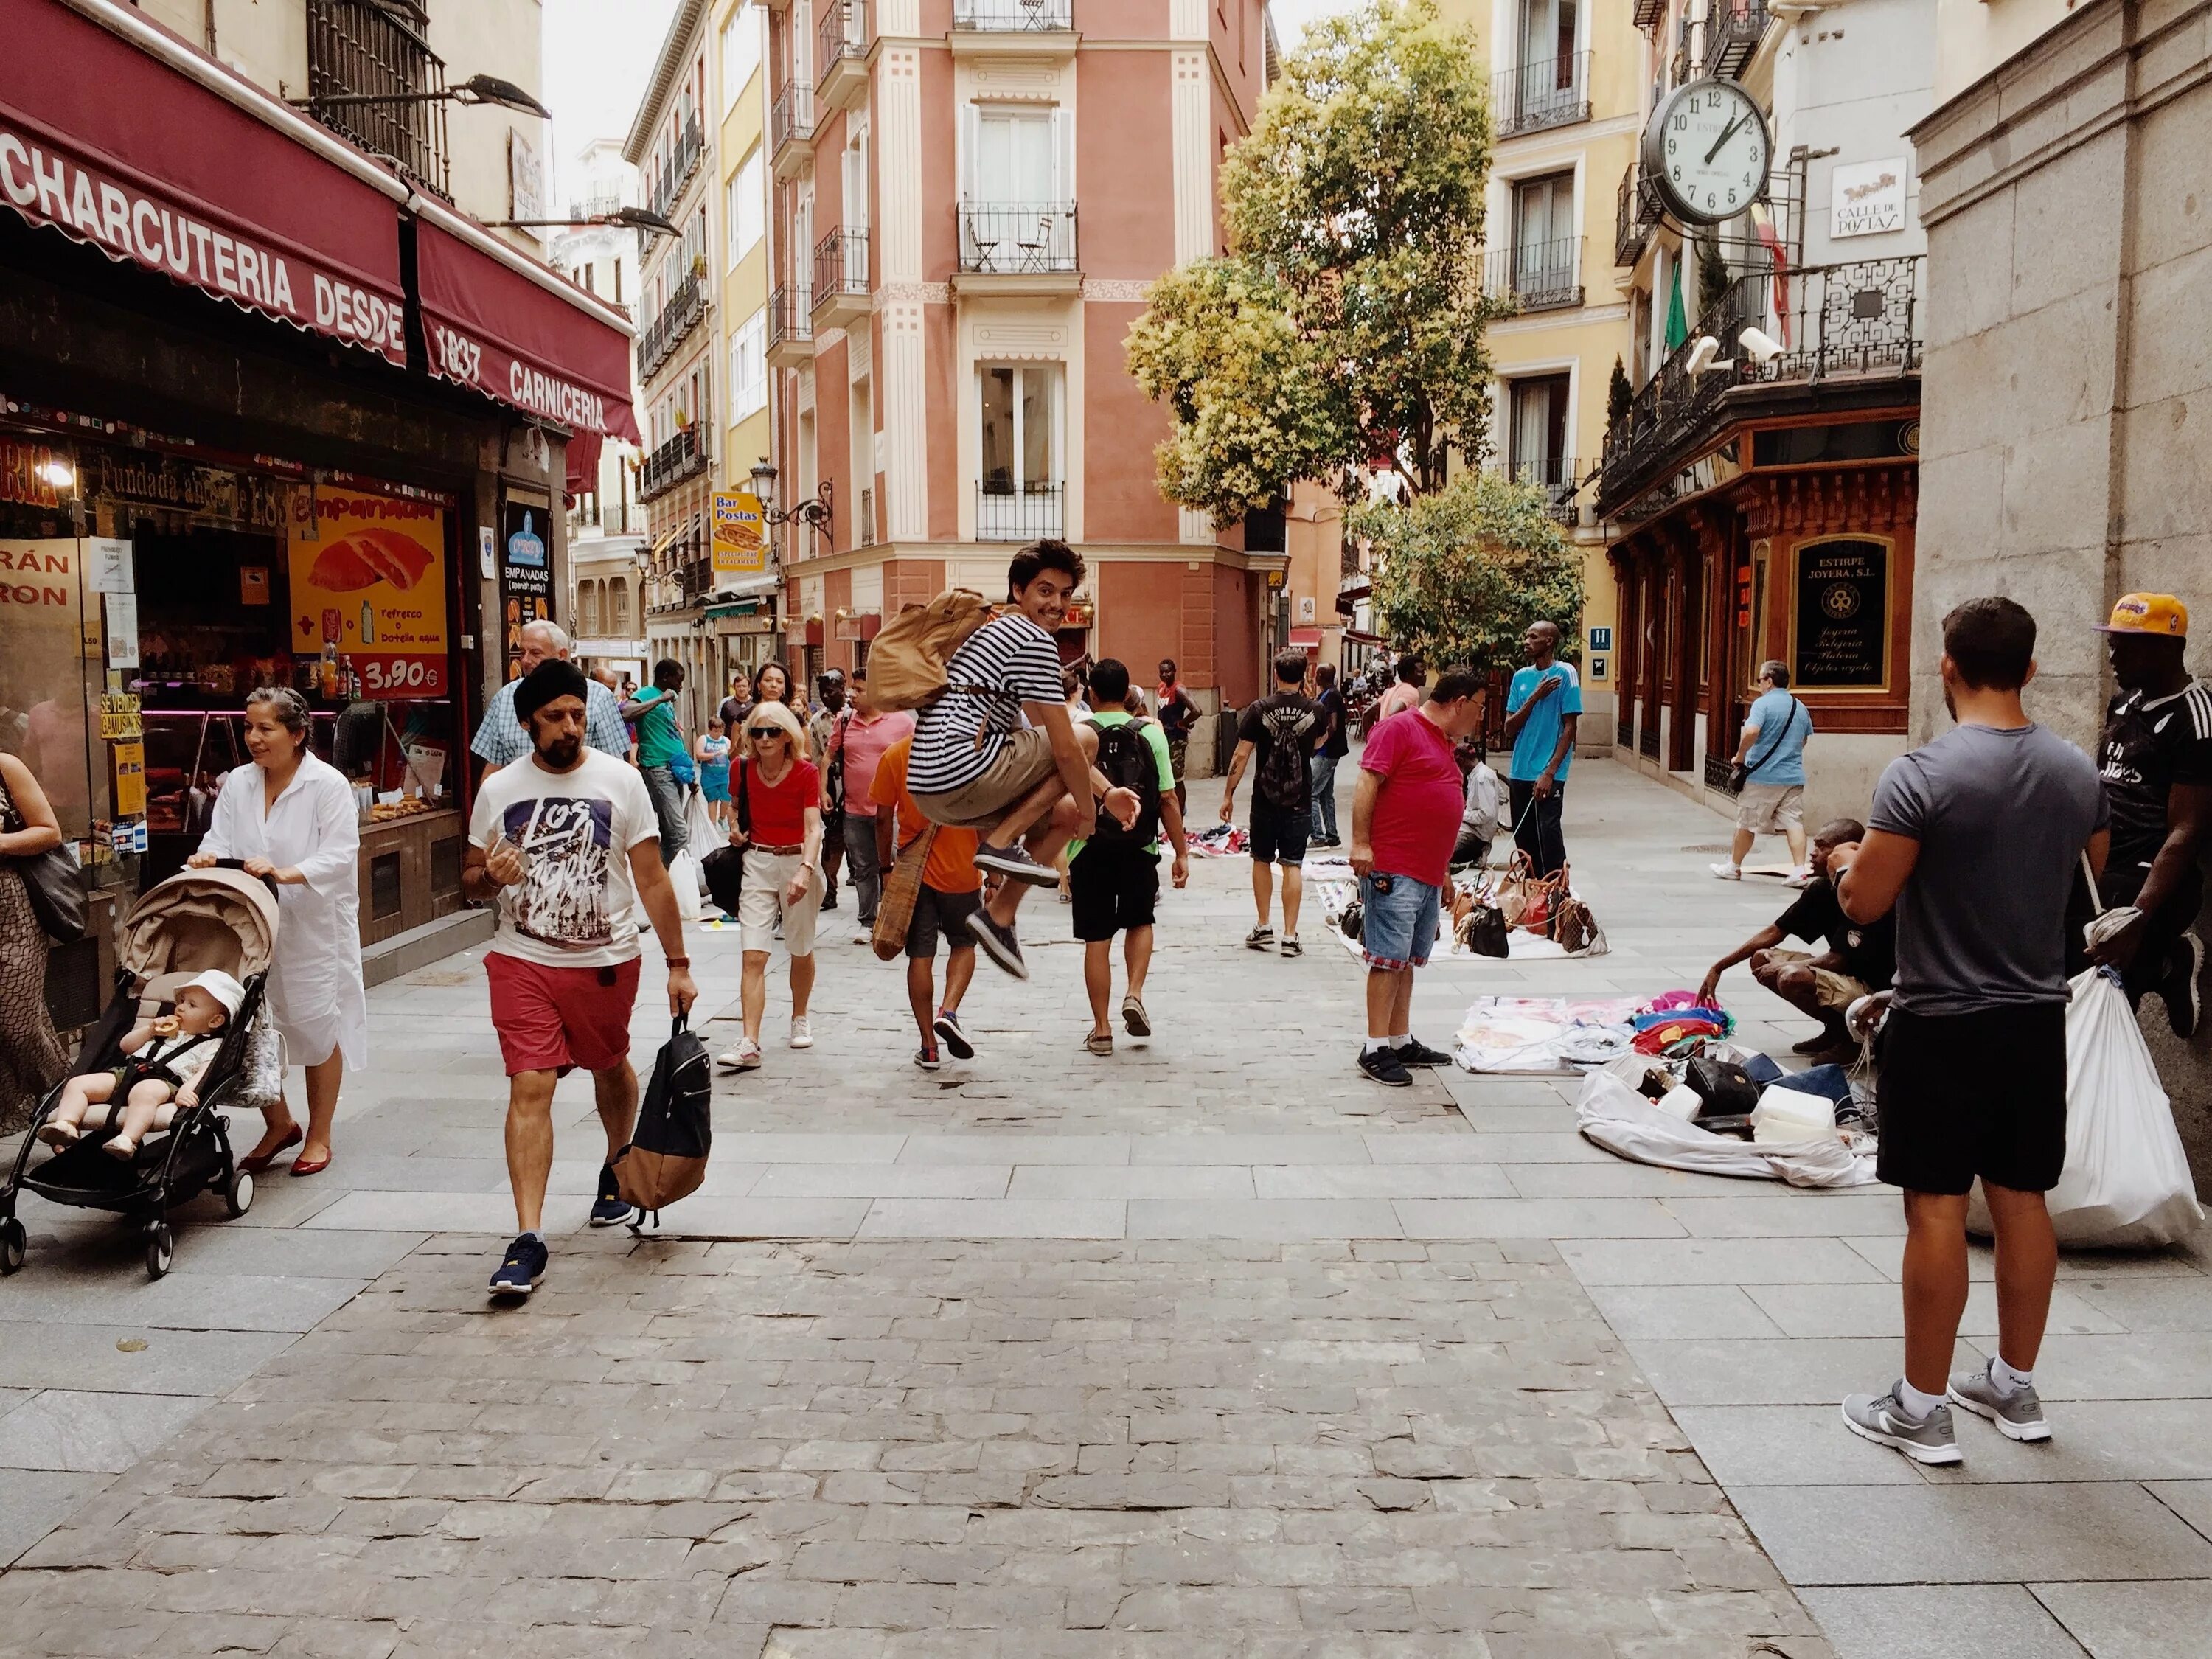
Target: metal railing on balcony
<point>676,320</point>
<point>841,264</point>
<point>1830,321</point>
<point>1733,30</point>
<point>863,523</point>
<point>1017,238</point>
<point>677,167</point>
<point>380,49</point>
<point>1536,276</point>
<point>1550,92</point>
<point>1560,479</point>
<point>683,456</point>
<point>840,33</point>
<point>791,118</point>
<point>1013,16</point>
<point>595,207</point>
<point>1010,511</point>
<point>790,316</point>
<point>1634,213</point>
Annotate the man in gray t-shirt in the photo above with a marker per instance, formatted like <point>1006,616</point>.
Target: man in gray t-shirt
<point>1974,839</point>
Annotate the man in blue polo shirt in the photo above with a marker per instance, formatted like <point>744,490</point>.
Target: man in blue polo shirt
<point>1543,706</point>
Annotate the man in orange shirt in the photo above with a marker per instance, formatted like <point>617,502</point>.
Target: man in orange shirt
<point>951,891</point>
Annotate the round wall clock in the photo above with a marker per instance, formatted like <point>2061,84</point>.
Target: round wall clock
<point>1707,151</point>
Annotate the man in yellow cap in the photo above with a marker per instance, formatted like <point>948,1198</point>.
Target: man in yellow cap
<point>2156,761</point>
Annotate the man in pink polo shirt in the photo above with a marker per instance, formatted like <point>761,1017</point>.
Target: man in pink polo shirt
<point>1405,820</point>
<point>862,733</point>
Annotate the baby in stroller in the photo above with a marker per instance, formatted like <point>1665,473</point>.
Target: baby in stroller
<point>163,1060</point>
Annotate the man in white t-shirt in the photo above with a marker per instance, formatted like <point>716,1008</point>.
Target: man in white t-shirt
<point>567,845</point>
<point>999,753</point>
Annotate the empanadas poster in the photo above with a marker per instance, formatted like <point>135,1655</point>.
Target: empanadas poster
<point>367,575</point>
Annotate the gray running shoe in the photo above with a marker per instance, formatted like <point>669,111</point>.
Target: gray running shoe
<point>1882,1419</point>
<point>2018,1416</point>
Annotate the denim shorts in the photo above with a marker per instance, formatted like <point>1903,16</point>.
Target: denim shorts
<point>1400,924</point>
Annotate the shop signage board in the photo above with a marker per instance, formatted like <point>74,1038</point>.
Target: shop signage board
<point>129,762</point>
<point>740,545</point>
<point>369,583</point>
<point>1841,623</point>
<point>526,576</point>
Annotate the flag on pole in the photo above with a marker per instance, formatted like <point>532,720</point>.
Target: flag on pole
<point>1763,225</point>
<point>1678,325</point>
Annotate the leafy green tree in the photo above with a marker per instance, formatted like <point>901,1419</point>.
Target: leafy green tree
<point>1345,326</point>
<point>1459,573</point>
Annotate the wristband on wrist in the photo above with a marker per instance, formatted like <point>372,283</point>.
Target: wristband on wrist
<point>679,961</point>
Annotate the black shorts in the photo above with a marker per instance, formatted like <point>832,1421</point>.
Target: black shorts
<point>1278,834</point>
<point>1967,1095</point>
<point>936,913</point>
<point>1112,887</point>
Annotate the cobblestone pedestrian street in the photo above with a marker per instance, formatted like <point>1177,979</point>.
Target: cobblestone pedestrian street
<point>1208,1348</point>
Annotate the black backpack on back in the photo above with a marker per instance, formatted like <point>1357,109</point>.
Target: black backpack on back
<point>666,1158</point>
<point>1128,763</point>
<point>1283,782</point>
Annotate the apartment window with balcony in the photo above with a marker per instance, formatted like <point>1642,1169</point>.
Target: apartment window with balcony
<point>747,205</point>
<point>1017,211</point>
<point>749,366</point>
<point>741,51</point>
<point>1019,449</point>
<point>382,47</point>
<point>1544,266</point>
<point>1550,85</point>
<point>1536,439</point>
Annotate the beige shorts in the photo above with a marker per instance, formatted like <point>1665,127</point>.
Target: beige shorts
<point>1023,761</point>
<point>1770,809</point>
<point>1832,989</point>
<point>768,878</point>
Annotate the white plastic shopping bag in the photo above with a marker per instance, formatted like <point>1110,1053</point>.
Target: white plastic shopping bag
<point>2126,1180</point>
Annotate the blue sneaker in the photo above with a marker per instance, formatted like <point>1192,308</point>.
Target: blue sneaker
<point>955,1040</point>
<point>524,1265</point>
<point>610,1208</point>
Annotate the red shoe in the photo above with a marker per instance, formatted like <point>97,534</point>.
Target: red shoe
<point>260,1161</point>
<point>307,1166</point>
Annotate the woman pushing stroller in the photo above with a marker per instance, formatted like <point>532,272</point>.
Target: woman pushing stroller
<point>163,1060</point>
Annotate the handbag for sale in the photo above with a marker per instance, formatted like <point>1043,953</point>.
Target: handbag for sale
<point>1483,931</point>
<point>1510,892</point>
<point>902,889</point>
<point>1353,920</point>
<point>1723,1087</point>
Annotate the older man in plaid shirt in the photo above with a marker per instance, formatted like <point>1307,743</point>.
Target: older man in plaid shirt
<point>500,739</point>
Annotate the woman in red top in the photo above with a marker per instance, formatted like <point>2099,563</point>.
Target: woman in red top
<point>779,792</point>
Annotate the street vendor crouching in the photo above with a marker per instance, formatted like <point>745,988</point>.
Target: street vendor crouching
<point>1859,961</point>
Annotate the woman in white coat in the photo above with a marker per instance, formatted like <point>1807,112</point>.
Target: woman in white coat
<point>290,816</point>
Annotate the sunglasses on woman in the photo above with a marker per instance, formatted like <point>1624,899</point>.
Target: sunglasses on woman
<point>762,733</point>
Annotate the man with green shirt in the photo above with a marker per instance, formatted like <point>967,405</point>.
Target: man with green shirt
<point>1114,874</point>
<point>659,749</point>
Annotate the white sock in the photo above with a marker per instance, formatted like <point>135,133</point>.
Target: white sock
<point>1376,1045</point>
<point>1403,1040</point>
<point>1916,1403</point>
<point>534,1234</point>
<point>2007,1379</point>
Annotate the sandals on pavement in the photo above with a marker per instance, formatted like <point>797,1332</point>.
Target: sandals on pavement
<point>1099,1042</point>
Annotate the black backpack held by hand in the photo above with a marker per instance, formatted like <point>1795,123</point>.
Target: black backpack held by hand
<point>666,1158</point>
<point>1127,762</point>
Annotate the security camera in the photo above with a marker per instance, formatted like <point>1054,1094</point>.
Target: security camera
<point>1702,351</point>
<point>1760,346</point>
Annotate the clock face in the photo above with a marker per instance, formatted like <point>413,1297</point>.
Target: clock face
<point>1708,149</point>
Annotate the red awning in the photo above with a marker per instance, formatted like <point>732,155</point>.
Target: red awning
<point>1305,639</point>
<point>500,323</point>
<point>194,173</point>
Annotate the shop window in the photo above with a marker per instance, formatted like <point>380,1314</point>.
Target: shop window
<point>384,899</point>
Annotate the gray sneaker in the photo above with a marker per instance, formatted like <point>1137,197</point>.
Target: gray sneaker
<point>2018,1416</point>
<point>1882,1419</point>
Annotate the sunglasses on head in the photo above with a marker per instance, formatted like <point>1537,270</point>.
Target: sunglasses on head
<point>764,732</point>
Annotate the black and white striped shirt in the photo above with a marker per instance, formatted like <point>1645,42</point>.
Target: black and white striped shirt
<point>998,668</point>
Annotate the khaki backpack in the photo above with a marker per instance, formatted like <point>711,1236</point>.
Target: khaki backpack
<point>906,663</point>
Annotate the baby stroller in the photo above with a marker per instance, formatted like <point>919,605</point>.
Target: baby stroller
<point>196,919</point>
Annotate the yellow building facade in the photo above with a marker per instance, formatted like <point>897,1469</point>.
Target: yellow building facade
<point>1566,112</point>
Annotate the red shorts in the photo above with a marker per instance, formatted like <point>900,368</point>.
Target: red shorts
<point>554,1019</point>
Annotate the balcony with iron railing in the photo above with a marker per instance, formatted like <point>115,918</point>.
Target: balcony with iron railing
<point>840,278</point>
<point>1830,325</point>
<point>1634,213</point>
<point>677,167</point>
<point>1013,510</point>
<point>1549,91</point>
<point>1536,276</point>
<point>1013,16</point>
<point>790,327</point>
<point>378,50</point>
<point>1018,239</point>
<point>841,52</point>
<point>595,207</point>
<point>791,130</point>
<point>1559,477</point>
<point>683,456</point>
<point>685,309</point>
<point>1733,30</point>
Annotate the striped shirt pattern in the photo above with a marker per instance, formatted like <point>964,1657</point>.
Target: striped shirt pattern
<point>960,734</point>
<point>501,740</point>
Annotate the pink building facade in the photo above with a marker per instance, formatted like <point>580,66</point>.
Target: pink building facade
<point>970,198</point>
